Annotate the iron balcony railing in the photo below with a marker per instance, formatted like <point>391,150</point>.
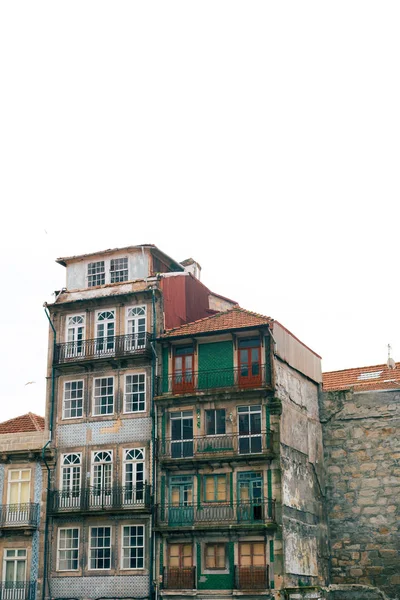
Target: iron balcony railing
<point>251,376</point>
<point>97,499</point>
<point>179,578</point>
<point>17,590</point>
<point>19,515</point>
<point>214,446</point>
<point>116,345</point>
<point>252,578</point>
<point>256,512</point>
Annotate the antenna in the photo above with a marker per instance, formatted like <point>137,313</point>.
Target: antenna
<point>390,362</point>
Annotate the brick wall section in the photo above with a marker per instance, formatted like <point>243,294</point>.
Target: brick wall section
<point>362,460</point>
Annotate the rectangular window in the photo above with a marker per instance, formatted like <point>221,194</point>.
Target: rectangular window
<point>215,422</point>
<point>183,378</point>
<point>135,393</point>
<point>252,554</point>
<point>215,488</point>
<point>180,555</point>
<point>103,395</point>
<point>100,548</point>
<point>133,547</point>
<point>250,441</point>
<point>133,476</point>
<point>118,269</point>
<point>215,556</point>
<point>73,399</point>
<point>14,571</point>
<point>182,434</point>
<point>96,273</point>
<point>19,486</point>
<point>68,548</point>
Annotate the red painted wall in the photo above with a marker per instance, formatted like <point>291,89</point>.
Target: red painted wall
<point>185,300</point>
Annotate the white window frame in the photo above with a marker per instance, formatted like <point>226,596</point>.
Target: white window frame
<point>132,500</point>
<point>18,481</point>
<point>129,547</point>
<point>14,593</point>
<point>134,343</point>
<point>67,549</point>
<point>111,271</point>
<point>99,414</point>
<point>130,412</point>
<point>70,399</point>
<point>101,348</point>
<point>93,262</point>
<point>90,568</point>
<point>71,501</point>
<point>74,327</point>
<point>93,464</point>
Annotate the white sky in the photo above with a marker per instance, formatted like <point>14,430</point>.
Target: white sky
<point>260,138</point>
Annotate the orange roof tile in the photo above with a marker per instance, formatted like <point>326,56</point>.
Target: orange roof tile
<point>23,424</point>
<point>362,379</point>
<point>234,318</point>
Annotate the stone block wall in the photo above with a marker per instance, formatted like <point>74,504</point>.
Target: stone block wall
<point>362,460</point>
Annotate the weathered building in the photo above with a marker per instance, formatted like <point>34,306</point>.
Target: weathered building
<point>23,486</point>
<point>360,413</point>
<point>239,447</point>
<point>101,376</point>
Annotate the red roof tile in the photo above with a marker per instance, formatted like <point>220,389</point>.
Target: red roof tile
<point>362,379</point>
<point>234,318</point>
<point>23,424</point>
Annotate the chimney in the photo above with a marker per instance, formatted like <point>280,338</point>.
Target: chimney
<point>193,267</point>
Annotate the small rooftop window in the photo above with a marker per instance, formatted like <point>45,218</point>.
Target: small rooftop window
<point>96,273</point>
<point>118,269</point>
<point>371,375</point>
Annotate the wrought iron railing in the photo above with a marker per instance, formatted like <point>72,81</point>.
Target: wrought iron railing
<point>92,499</point>
<point>240,513</point>
<point>252,578</point>
<point>116,345</point>
<point>17,590</point>
<point>213,446</point>
<point>254,376</point>
<point>179,578</point>
<point>18,515</point>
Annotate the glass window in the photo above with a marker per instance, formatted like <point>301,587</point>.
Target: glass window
<point>133,475</point>
<point>105,332</point>
<point>14,568</point>
<point>68,548</point>
<point>135,393</point>
<point>215,422</point>
<point>19,486</point>
<point>70,479</point>
<point>75,335</point>
<point>180,555</point>
<point>73,399</point>
<point>133,547</point>
<point>215,488</point>
<point>215,556</point>
<point>96,273</point>
<point>100,548</point>
<point>252,554</point>
<point>182,434</point>
<point>249,429</point>
<point>136,327</point>
<point>118,269</point>
<point>103,395</point>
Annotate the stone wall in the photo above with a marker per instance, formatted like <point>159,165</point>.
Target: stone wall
<point>362,461</point>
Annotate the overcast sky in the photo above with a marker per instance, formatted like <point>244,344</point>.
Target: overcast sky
<point>260,138</point>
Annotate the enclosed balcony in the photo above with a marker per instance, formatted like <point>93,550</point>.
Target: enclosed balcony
<point>216,447</point>
<point>24,516</point>
<point>17,590</point>
<point>115,346</point>
<point>222,514</point>
<point>189,382</point>
<point>252,578</point>
<point>101,499</point>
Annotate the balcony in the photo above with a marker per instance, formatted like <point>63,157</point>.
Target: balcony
<point>98,500</point>
<point>176,578</point>
<point>223,514</point>
<point>17,590</point>
<point>216,447</point>
<point>25,516</point>
<point>101,348</point>
<point>252,578</point>
<point>238,378</point>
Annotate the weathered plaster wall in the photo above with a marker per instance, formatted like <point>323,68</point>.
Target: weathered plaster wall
<point>362,459</point>
<point>304,527</point>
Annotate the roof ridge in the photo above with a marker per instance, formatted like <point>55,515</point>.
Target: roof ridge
<point>384,365</point>
<point>236,308</point>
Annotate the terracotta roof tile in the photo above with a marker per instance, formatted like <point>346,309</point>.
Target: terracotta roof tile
<point>23,424</point>
<point>234,318</point>
<point>378,377</point>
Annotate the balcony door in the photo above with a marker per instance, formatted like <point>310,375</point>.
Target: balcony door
<point>135,328</point>
<point>75,335</point>
<point>70,496</point>
<point>14,574</point>
<point>249,363</point>
<point>101,492</point>
<point>180,573</point>
<point>250,441</point>
<point>250,496</point>
<point>181,500</point>
<point>133,476</point>
<point>105,332</point>
<point>183,375</point>
<point>18,495</point>
<point>182,434</point>
<point>252,566</point>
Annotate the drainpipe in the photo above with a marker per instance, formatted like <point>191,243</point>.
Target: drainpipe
<point>154,368</point>
<point>46,526</point>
